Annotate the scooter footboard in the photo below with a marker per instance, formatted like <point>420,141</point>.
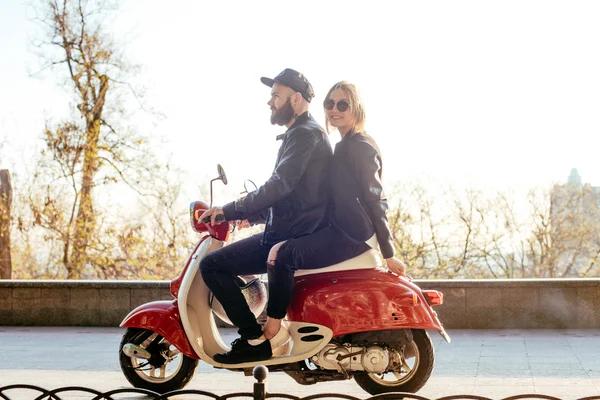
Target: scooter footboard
<point>161,317</point>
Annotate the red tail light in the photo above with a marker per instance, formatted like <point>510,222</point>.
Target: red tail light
<point>435,298</point>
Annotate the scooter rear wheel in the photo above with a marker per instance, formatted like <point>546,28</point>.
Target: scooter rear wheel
<point>158,374</point>
<point>411,378</point>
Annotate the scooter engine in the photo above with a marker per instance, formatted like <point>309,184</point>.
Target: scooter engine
<point>375,359</point>
<point>344,358</point>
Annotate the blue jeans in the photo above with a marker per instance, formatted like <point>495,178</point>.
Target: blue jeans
<point>249,257</point>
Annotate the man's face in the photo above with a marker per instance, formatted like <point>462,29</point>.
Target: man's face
<point>281,106</point>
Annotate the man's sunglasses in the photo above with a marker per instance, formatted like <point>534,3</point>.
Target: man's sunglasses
<point>342,105</point>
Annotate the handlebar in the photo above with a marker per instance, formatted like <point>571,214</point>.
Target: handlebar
<point>219,218</point>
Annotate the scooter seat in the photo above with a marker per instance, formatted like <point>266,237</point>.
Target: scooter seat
<point>368,260</point>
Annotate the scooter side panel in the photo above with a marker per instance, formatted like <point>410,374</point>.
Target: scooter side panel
<point>361,301</point>
<point>175,284</point>
<point>161,317</point>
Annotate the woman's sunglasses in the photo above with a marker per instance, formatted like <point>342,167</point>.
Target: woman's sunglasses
<point>342,105</point>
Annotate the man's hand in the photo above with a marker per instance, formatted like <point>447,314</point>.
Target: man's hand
<point>396,266</point>
<point>242,224</point>
<point>212,213</point>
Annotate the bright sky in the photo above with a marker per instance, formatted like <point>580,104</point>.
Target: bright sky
<point>495,94</point>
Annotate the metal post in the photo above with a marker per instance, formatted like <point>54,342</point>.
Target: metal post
<point>260,373</point>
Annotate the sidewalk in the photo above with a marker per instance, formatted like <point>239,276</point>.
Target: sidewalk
<point>495,364</point>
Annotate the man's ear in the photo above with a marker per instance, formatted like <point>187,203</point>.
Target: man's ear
<point>296,99</point>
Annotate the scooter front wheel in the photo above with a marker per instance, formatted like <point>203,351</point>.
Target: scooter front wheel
<point>413,374</point>
<point>148,361</point>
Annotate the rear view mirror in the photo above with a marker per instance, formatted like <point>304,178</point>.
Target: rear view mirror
<point>221,177</point>
<point>221,173</point>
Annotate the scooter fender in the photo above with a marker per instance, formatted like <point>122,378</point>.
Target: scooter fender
<point>163,318</point>
<point>361,301</point>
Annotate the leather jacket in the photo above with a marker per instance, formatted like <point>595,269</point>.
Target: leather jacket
<point>359,203</point>
<point>293,202</point>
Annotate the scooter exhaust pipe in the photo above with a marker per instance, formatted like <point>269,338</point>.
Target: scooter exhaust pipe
<point>132,350</point>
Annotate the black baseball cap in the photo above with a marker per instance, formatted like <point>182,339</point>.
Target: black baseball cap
<point>294,80</point>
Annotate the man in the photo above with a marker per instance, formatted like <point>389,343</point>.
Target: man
<point>292,203</point>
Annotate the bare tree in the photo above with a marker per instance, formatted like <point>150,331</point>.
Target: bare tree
<point>92,148</point>
<point>553,234</point>
<point>406,228</point>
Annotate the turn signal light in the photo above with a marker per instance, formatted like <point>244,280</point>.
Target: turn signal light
<point>435,298</point>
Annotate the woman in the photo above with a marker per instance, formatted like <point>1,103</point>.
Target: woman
<point>359,207</point>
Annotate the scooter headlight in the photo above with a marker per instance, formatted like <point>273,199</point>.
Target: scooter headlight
<point>255,294</point>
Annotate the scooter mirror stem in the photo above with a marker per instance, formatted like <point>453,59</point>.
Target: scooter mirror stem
<point>211,190</point>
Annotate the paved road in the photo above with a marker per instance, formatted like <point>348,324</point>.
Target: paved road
<point>496,364</point>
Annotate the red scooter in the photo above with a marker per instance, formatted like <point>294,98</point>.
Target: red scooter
<point>350,320</point>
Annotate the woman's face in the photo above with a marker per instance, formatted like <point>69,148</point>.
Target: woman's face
<point>342,120</point>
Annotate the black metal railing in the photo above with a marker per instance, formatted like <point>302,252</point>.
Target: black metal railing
<point>260,393</point>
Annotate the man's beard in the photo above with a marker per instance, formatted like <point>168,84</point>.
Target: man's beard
<point>284,114</point>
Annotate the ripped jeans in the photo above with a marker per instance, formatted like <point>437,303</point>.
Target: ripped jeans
<point>326,247</point>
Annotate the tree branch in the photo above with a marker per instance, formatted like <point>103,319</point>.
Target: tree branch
<point>123,177</point>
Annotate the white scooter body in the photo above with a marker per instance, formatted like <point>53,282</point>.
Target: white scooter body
<point>202,332</point>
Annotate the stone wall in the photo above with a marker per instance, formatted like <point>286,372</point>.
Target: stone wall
<point>77,303</point>
<point>468,304</point>
<point>526,303</point>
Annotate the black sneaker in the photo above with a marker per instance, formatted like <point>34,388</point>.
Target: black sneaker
<point>242,352</point>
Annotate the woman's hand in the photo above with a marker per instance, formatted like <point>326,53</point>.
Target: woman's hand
<point>396,266</point>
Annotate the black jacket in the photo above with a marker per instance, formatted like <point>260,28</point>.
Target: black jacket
<point>293,202</point>
<point>359,203</point>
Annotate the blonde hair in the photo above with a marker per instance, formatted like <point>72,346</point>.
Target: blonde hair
<point>357,107</point>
